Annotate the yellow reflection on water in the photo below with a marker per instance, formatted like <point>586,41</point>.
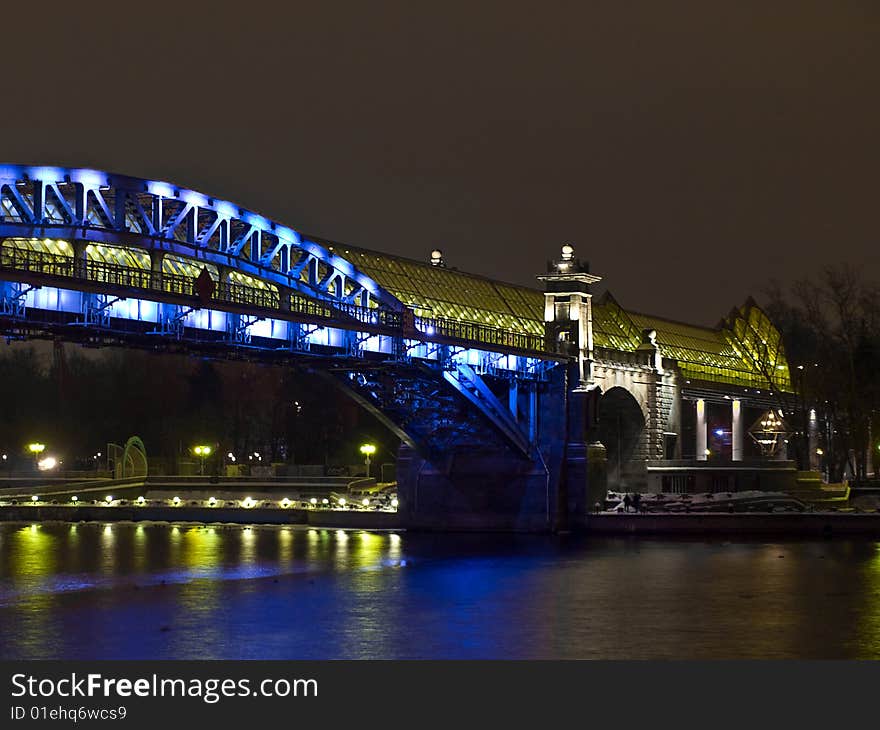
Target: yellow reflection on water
<point>395,545</point>
<point>140,548</point>
<point>285,542</point>
<point>200,549</point>
<point>248,546</point>
<point>108,554</point>
<point>33,560</point>
<point>341,550</point>
<point>174,545</point>
<point>198,599</point>
<point>33,555</point>
<point>867,623</point>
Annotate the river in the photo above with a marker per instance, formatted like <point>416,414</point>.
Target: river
<point>160,591</point>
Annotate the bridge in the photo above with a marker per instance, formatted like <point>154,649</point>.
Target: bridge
<point>510,402</point>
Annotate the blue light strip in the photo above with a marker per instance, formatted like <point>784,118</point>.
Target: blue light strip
<point>54,299</point>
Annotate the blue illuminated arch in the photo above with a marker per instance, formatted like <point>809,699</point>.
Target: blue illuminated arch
<point>104,208</point>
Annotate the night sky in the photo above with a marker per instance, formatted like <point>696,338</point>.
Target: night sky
<point>691,151</point>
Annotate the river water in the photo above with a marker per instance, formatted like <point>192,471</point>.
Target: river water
<point>156,591</point>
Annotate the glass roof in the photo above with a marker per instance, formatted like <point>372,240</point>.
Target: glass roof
<point>437,291</point>
<point>745,349</point>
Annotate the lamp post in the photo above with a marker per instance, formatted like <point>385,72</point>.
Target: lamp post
<point>36,448</point>
<point>368,450</point>
<point>202,452</point>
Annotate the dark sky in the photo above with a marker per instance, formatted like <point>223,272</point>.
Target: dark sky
<point>690,150</point>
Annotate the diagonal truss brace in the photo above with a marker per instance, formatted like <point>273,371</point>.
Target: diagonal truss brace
<point>239,328</point>
<point>97,310</point>
<point>173,325</point>
<point>12,303</point>
<point>465,380</point>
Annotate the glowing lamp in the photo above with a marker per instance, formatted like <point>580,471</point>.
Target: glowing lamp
<point>176,501</point>
<point>108,499</point>
<point>368,450</point>
<point>366,502</point>
<point>203,452</point>
<point>140,499</point>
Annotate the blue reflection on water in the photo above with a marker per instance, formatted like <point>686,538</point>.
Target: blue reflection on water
<point>191,591</point>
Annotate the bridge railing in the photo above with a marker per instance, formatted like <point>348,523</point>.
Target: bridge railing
<point>100,272</point>
<point>476,332</point>
<point>227,291</point>
<point>40,262</point>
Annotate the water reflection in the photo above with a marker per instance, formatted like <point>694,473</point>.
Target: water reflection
<point>146,590</point>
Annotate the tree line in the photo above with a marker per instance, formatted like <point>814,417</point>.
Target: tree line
<point>830,325</point>
<point>77,401</point>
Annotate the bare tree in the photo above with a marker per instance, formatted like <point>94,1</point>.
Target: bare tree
<point>831,329</point>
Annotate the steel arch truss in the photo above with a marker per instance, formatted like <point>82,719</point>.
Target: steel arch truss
<point>429,409</point>
<point>99,207</point>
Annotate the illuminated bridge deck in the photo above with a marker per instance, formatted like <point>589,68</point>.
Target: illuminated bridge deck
<point>89,247</point>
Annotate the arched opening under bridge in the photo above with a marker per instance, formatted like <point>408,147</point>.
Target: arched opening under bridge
<point>620,428</point>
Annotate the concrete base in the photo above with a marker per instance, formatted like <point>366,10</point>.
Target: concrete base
<point>473,490</point>
<point>492,491</point>
<point>329,519</point>
<point>802,524</point>
<point>597,474</point>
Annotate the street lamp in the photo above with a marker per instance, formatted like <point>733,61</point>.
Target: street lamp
<point>203,452</point>
<point>36,448</point>
<point>368,450</point>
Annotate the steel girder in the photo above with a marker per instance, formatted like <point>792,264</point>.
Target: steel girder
<point>428,409</point>
<point>103,208</point>
<point>469,384</point>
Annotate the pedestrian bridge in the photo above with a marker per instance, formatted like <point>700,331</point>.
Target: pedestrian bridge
<point>474,375</point>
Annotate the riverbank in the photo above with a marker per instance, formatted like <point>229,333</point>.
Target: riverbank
<point>796,524</point>
<point>341,519</point>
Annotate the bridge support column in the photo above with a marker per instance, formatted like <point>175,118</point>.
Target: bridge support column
<point>736,433</point>
<point>813,441</point>
<point>157,257</point>
<point>575,494</point>
<point>701,431</point>
<point>533,414</point>
<point>80,259</point>
<point>473,489</point>
<point>494,489</point>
